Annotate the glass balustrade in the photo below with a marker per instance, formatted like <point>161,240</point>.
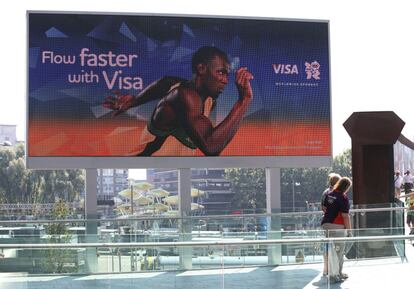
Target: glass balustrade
<point>232,245</point>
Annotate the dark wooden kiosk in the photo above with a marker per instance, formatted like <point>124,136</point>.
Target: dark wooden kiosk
<point>373,137</point>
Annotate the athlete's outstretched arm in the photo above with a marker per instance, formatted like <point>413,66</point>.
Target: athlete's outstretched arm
<point>154,91</point>
<point>212,140</point>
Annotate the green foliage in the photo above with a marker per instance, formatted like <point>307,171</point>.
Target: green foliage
<point>59,212</point>
<point>20,185</point>
<point>59,233</point>
<point>308,184</point>
<point>249,186</point>
<point>311,182</point>
<point>342,163</point>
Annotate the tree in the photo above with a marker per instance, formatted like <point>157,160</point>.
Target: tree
<point>307,184</point>
<point>35,186</point>
<point>249,186</point>
<point>342,163</point>
<point>59,233</point>
<point>20,185</point>
<point>312,181</point>
<point>13,175</point>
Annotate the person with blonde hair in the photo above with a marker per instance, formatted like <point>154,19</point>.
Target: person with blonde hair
<point>333,178</point>
<point>337,223</point>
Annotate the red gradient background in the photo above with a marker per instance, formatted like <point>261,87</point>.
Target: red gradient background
<point>120,137</point>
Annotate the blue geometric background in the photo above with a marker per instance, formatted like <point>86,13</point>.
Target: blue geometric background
<point>164,45</point>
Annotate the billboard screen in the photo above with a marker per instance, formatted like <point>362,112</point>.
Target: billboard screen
<point>147,88</point>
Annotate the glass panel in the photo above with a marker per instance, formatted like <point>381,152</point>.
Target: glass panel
<point>375,253</point>
<point>215,266</point>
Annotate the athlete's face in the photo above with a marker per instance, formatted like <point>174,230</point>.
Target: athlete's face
<point>216,76</point>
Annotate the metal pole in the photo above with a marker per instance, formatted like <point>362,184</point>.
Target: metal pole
<point>113,261</point>
<point>204,244</point>
<point>293,195</point>
<point>119,261</point>
<point>91,212</point>
<point>132,201</point>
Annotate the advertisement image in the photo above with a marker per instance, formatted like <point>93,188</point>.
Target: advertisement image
<point>102,85</point>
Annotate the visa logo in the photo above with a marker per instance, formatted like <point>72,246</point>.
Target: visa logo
<point>285,68</point>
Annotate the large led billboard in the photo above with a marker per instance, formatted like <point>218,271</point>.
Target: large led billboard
<point>130,90</point>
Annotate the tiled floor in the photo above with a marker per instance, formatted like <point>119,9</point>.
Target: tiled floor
<point>379,273</point>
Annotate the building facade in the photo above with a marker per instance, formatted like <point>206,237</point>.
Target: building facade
<point>217,190</point>
<point>8,134</point>
<point>403,158</point>
<point>110,183</point>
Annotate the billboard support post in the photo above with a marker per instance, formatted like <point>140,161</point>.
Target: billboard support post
<point>184,209</point>
<point>91,212</point>
<point>273,206</point>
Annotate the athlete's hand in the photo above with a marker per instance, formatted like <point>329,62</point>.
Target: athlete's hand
<point>119,103</point>
<point>243,77</point>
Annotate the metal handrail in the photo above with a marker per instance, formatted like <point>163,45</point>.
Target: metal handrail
<point>138,218</point>
<point>206,243</point>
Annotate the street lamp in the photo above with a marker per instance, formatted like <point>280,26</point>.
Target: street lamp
<point>131,186</point>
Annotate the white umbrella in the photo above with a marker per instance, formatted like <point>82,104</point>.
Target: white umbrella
<point>123,206</point>
<point>142,186</point>
<point>161,207</point>
<point>117,201</point>
<point>128,194</point>
<point>196,193</point>
<point>171,200</point>
<point>141,200</point>
<point>171,213</point>
<point>159,193</point>
<point>195,206</point>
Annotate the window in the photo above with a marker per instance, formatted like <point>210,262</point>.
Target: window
<point>107,172</point>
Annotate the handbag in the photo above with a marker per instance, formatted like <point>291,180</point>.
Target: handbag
<point>333,261</point>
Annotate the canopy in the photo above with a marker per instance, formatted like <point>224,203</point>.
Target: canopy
<point>159,193</point>
<point>127,193</point>
<point>171,213</point>
<point>161,207</point>
<point>142,186</point>
<point>171,200</point>
<point>195,206</point>
<point>141,200</point>
<point>196,193</point>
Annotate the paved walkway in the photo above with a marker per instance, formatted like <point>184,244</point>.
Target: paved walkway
<point>379,273</point>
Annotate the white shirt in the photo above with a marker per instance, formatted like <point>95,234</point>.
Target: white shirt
<point>398,181</point>
<point>408,179</point>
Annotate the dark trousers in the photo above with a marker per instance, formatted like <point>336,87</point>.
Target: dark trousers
<point>408,187</point>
